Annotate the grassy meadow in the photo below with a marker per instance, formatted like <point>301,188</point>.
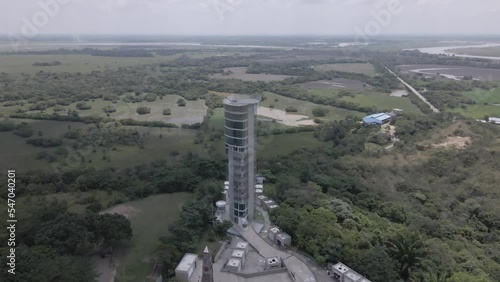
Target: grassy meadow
<point>383,101</point>
<point>304,107</point>
<point>484,96</point>
<point>17,64</point>
<point>150,220</point>
<point>478,111</point>
<point>379,100</point>
<point>364,68</point>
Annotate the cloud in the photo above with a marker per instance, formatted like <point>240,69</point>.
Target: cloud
<point>255,16</point>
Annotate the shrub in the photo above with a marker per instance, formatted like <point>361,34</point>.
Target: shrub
<point>7,126</point>
<point>41,155</point>
<point>45,142</point>
<point>94,207</point>
<point>167,112</point>
<point>150,97</point>
<point>181,102</point>
<point>24,130</point>
<point>83,106</point>
<point>143,110</point>
<point>211,236</point>
<point>320,112</point>
<point>109,109</point>
<point>291,109</point>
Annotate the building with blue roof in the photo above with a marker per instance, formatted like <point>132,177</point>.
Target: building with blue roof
<point>378,119</point>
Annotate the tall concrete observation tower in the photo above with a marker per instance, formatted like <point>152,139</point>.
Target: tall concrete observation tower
<point>239,121</point>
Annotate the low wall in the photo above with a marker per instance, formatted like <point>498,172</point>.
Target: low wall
<point>222,247</point>
<point>262,273</point>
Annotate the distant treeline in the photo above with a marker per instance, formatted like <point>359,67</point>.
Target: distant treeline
<point>58,117</point>
<point>288,130</point>
<point>131,51</point>
<point>416,58</point>
<point>95,119</point>
<point>88,51</point>
<point>45,64</point>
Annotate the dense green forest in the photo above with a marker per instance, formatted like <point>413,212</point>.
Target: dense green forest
<point>54,244</point>
<point>416,214</point>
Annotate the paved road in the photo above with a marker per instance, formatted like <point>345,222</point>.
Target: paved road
<point>434,109</point>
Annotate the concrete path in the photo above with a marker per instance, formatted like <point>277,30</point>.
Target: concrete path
<point>434,109</point>
<point>299,270</point>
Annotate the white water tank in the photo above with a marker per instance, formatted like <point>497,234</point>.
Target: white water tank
<point>221,206</point>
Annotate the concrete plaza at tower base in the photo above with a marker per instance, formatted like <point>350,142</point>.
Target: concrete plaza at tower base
<point>253,270</point>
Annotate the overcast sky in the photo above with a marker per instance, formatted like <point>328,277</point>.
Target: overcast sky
<point>252,17</point>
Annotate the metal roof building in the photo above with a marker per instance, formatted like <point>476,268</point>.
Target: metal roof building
<point>379,118</point>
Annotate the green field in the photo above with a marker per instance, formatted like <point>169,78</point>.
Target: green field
<point>217,119</point>
<point>174,143</point>
<point>272,146</point>
<point>478,111</point>
<point>364,68</point>
<point>383,102</point>
<point>327,93</point>
<point>150,220</point>
<point>16,154</point>
<point>380,100</point>
<point>193,112</point>
<point>484,96</point>
<point>280,145</point>
<point>21,156</point>
<point>304,107</point>
<point>73,63</point>
<point>486,101</point>
<point>72,199</point>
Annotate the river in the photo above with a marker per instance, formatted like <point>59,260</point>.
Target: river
<point>447,50</point>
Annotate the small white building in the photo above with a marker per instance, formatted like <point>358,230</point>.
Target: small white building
<point>272,207</point>
<point>272,232</point>
<point>273,262</point>
<point>260,180</point>
<point>267,203</point>
<point>243,246</point>
<point>352,276</point>
<point>239,254</point>
<point>260,200</point>
<point>283,239</point>
<point>186,267</point>
<point>396,112</point>
<point>338,271</point>
<point>343,273</point>
<point>234,265</point>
